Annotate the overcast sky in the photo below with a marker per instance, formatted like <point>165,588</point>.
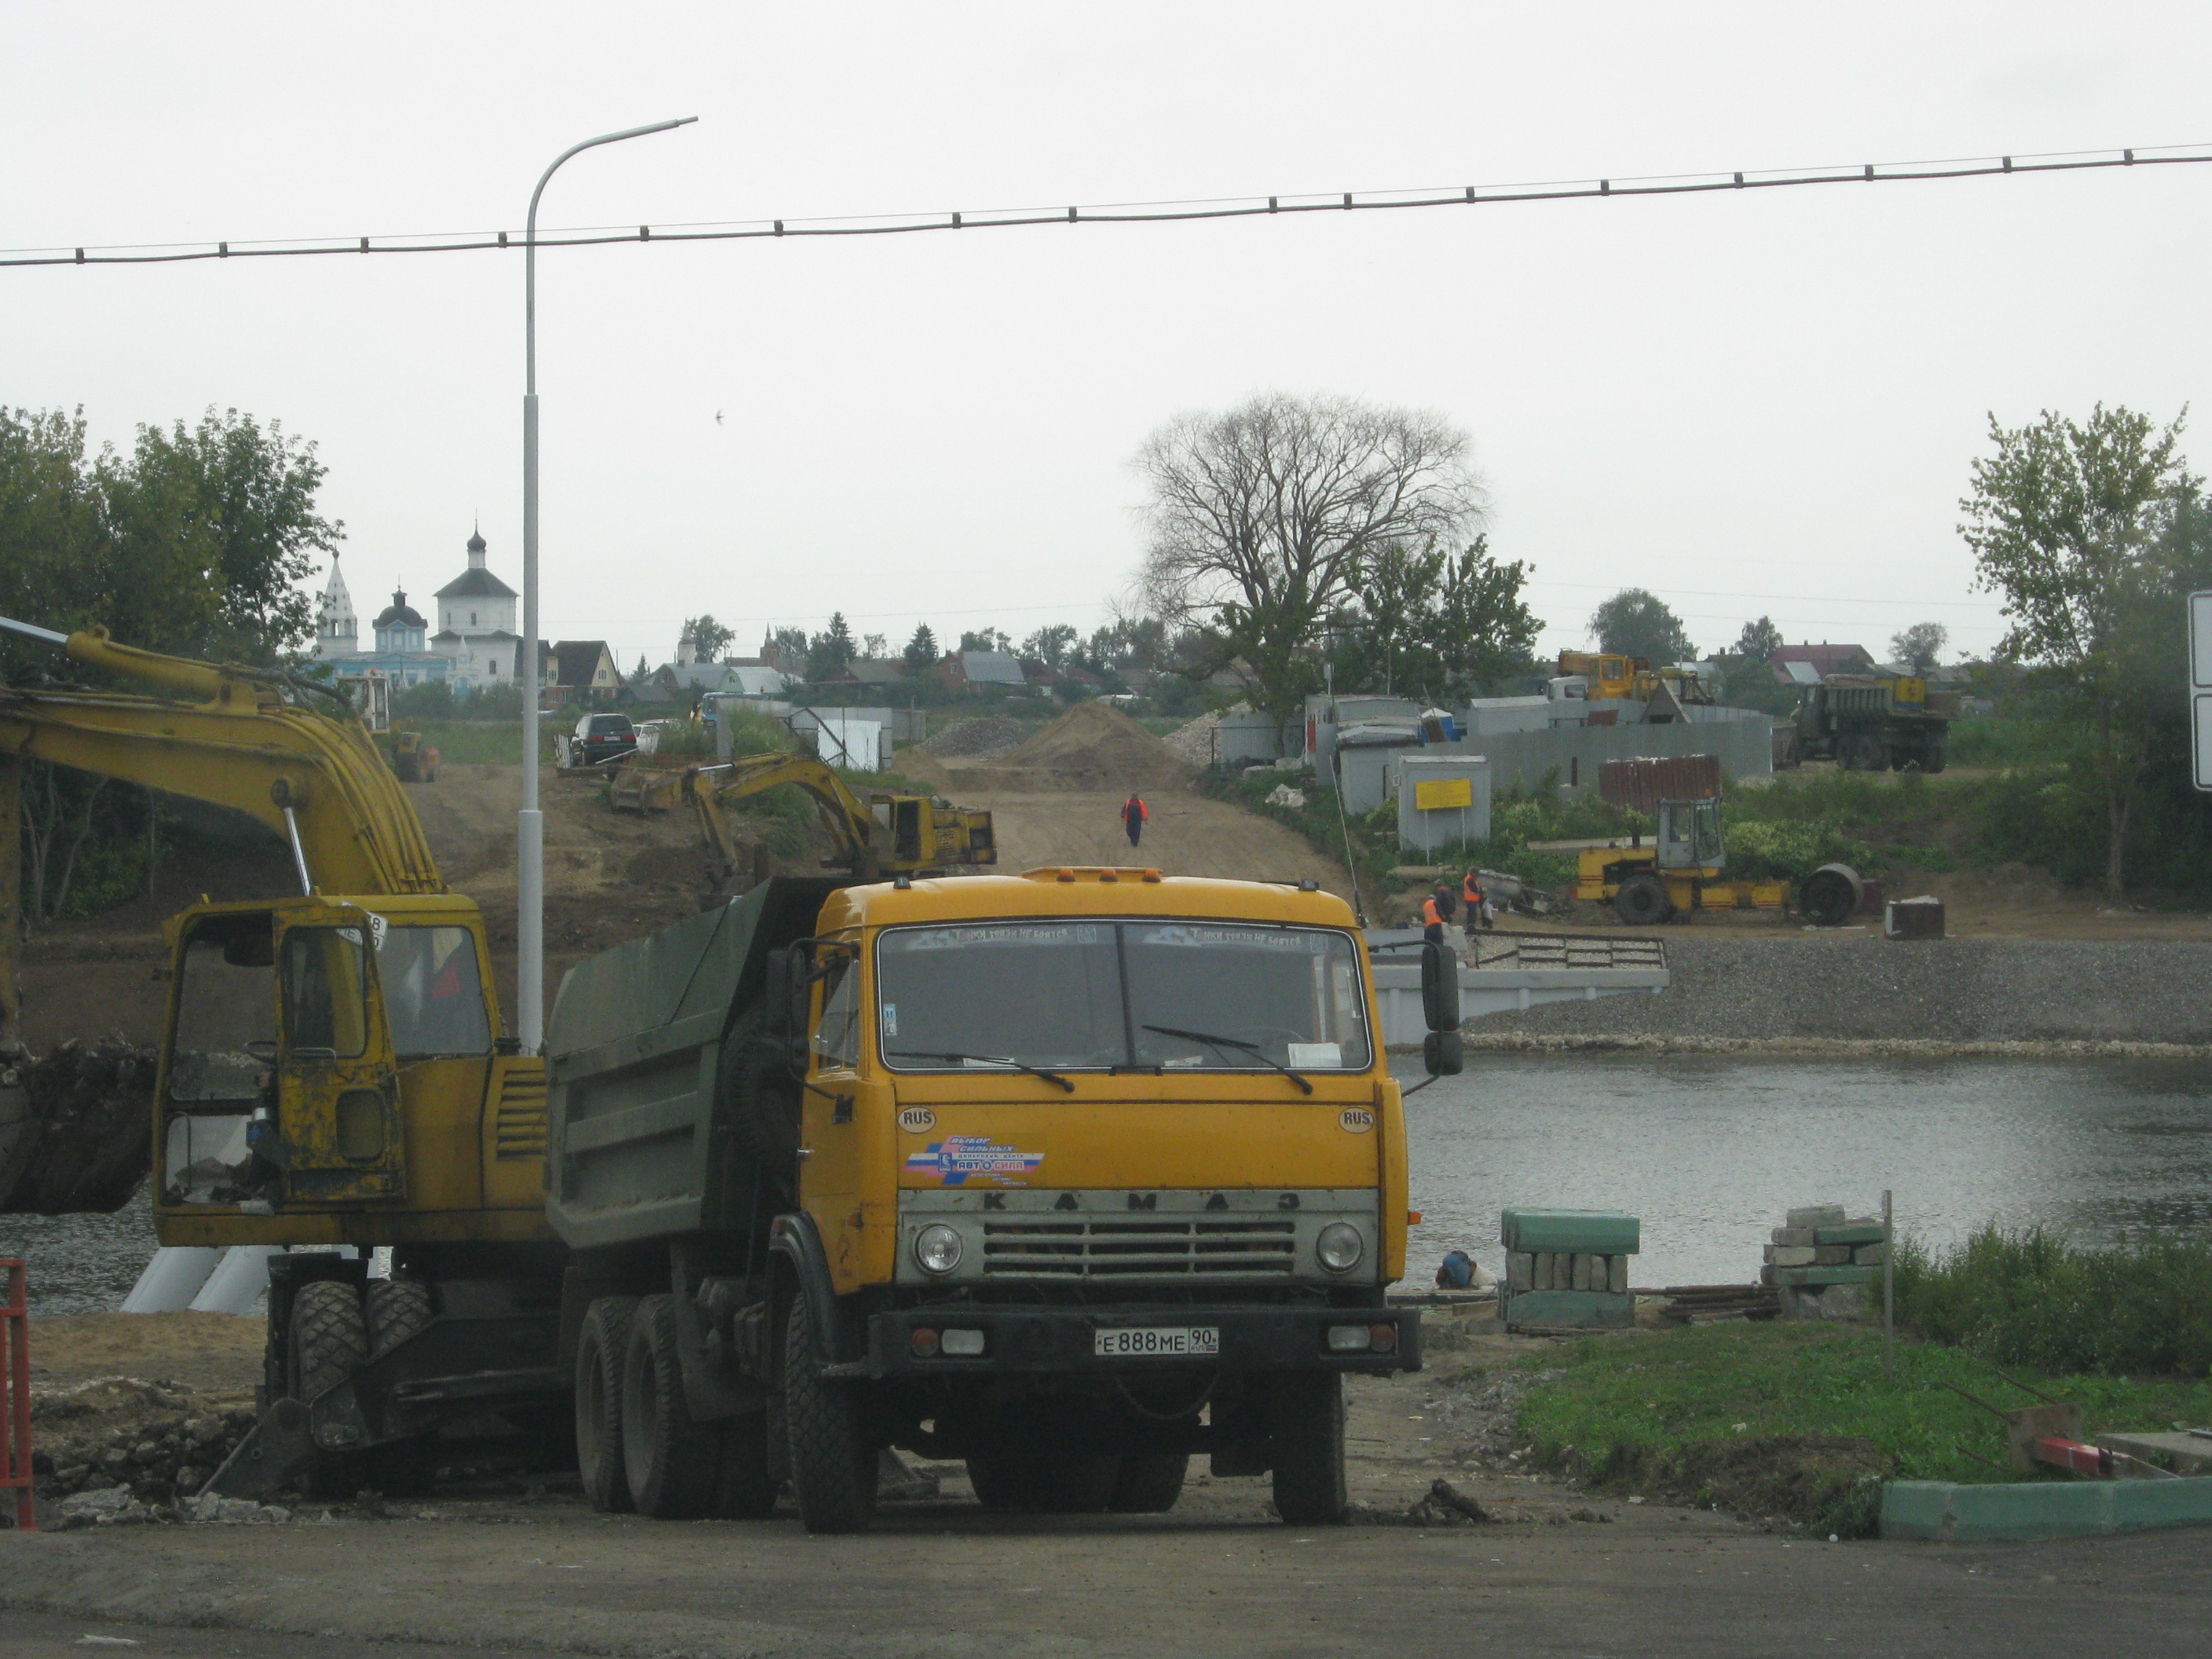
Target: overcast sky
<point>1755,404</point>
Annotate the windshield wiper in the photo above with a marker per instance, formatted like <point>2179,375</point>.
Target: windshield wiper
<point>1214,1042</point>
<point>981,1059</point>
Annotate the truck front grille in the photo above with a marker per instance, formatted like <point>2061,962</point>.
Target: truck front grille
<point>1053,1246</point>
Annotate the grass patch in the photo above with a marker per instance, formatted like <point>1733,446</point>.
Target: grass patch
<point>1797,1419</point>
<point>471,742</point>
<point>2033,1299</point>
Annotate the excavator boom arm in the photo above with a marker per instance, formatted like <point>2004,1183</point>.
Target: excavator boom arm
<point>845,813</point>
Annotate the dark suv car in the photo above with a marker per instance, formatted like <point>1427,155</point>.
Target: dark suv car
<point>601,737</point>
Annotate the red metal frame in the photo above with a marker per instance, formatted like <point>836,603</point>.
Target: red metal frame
<point>15,1394</point>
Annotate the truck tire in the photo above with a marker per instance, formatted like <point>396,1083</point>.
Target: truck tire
<point>1931,759</point>
<point>1849,757</point>
<point>747,1491</point>
<point>600,1345</point>
<point>330,1339</point>
<point>1643,900</point>
<point>764,1102</point>
<point>397,1309</point>
<point>833,1464</point>
<point>1150,1483</point>
<point>1305,1427</point>
<point>673,1464</point>
<point>1879,754</point>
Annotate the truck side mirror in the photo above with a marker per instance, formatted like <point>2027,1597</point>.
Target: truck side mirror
<point>1442,1054</point>
<point>1439,986</point>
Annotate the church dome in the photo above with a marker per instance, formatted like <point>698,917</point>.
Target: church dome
<point>400,614</point>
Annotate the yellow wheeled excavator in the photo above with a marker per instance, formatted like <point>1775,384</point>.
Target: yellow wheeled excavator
<point>888,834</point>
<point>331,1071</point>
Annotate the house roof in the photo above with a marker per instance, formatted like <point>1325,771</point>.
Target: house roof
<point>579,660</point>
<point>693,676</point>
<point>1823,658</point>
<point>990,668</point>
<point>757,682</point>
<point>477,584</point>
<point>1037,671</point>
<point>875,670</point>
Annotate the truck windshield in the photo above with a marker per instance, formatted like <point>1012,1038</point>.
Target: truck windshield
<point>1069,996</point>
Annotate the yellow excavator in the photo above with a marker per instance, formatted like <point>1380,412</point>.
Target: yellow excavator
<point>888,834</point>
<point>331,1071</point>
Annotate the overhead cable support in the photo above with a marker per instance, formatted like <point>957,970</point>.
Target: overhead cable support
<point>1127,213</point>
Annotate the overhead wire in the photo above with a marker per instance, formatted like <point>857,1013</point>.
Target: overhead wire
<point>1871,172</point>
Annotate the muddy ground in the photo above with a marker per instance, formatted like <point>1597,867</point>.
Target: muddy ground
<point>522,1565</point>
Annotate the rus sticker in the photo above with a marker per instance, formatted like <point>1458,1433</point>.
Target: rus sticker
<point>1356,1120</point>
<point>917,1120</point>
<point>958,1159</point>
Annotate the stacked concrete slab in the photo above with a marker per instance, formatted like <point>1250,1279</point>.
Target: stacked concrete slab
<point>1821,1262</point>
<point>1567,1268</point>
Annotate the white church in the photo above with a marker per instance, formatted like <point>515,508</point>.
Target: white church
<point>475,644</point>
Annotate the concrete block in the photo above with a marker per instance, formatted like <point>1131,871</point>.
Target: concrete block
<point>2140,1503</point>
<point>1541,1276</point>
<point>1822,1275</point>
<point>1603,1232</point>
<point>2184,1454</point>
<point>1915,1509</point>
<point>1582,1271</point>
<point>1791,1255</point>
<point>1587,1309</point>
<point>1767,1275</point>
<point>1616,1276</point>
<point>1519,1270</point>
<point>1831,1255</point>
<point>1843,1301</point>
<point>2031,1509</point>
<point>1796,1238</point>
<point>1817,1215</point>
<point>1852,1232</point>
<point>1871,1255</point>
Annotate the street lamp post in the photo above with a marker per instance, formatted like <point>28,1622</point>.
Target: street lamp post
<point>530,829</point>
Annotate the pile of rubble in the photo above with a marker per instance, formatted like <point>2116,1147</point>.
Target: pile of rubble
<point>115,1506</point>
<point>148,1442</point>
<point>1821,1262</point>
<point>73,1126</point>
<point>986,737</point>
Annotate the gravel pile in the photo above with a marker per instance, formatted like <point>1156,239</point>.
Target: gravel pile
<point>986,737</point>
<point>149,1441</point>
<point>2041,991</point>
<point>1195,742</point>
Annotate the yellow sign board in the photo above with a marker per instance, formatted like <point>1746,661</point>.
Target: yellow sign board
<point>1441,793</point>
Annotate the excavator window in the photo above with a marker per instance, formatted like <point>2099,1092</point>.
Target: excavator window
<point>326,992</point>
<point>226,1012</point>
<point>433,995</point>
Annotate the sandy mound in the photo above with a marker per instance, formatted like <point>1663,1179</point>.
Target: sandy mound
<point>982,737</point>
<point>1103,747</point>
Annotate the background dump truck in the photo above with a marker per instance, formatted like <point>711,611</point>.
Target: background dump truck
<point>1071,1175</point>
<point>1873,725</point>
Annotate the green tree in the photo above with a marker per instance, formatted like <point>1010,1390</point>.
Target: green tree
<point>833,650</point>
<point>1920,646</point>
<point>1434,625</point>
<point>1264,519</point>
<point>1637,622</point>
<point>1748,671</point>
<point>709,639</point>
<point>1050,644</point>
<point>921,652</point>
<point>986,639</point>
<point>1759,640</point>
<point>2065,520</point>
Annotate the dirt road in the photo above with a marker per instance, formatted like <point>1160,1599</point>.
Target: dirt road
<point>529,1569</point>
<point>1187,836</point>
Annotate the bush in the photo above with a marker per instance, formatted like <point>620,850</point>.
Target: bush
<point>1790,850</point>
<point>2033,1299</point>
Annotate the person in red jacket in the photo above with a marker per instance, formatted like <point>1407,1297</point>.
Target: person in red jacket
<point>1133,814</point>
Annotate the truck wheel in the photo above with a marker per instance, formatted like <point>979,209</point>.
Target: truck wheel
<point>763,1098</point>
<point>1848,757</point>
<point>832,1466</point>
<point>397,1309</point>
<point>1151,1482</point>
<point>329,1339</point>
<point>672,1462</point>
<point>998,1484</point>
<point>747,1491</point>
<point>1305,1424</point>
<point>1643,900</point>
<point>599,1349</point>
<point>1878,754</point>
<point>1932,760</point>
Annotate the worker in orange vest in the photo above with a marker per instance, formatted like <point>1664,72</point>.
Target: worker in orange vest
<point>1478,910</point>
<point>1133,814</point>
<point>1432,919</point>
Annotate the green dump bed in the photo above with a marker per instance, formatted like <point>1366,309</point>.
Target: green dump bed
<point>633,1050</point>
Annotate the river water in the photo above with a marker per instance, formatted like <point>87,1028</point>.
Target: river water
<point>1708,1151</point>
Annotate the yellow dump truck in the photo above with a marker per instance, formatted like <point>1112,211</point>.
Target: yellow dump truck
<point>1072,1174</point>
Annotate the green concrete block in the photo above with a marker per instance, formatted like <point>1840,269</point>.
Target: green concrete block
<point>2183,1503</point>
<point>1821,1275</point>
<point>2030,1509</point>
<point>1598,1309</point>
<point>1916,1509</point>
<point>1588,1232</point>
<point>1857,1233</point>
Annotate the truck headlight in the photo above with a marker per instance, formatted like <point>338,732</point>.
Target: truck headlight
<point>1340,1247</point>
<point>937,1248</point>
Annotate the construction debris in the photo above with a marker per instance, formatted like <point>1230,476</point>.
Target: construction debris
<point>73,1127</point>
<point>1820,1262</point>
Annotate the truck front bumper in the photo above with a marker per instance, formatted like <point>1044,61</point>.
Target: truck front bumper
<point>1031,1340</point>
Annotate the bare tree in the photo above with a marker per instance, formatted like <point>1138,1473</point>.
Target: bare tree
<point>1263,518</point>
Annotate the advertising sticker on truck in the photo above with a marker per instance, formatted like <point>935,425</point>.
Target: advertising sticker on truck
<point>958,1159</point>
